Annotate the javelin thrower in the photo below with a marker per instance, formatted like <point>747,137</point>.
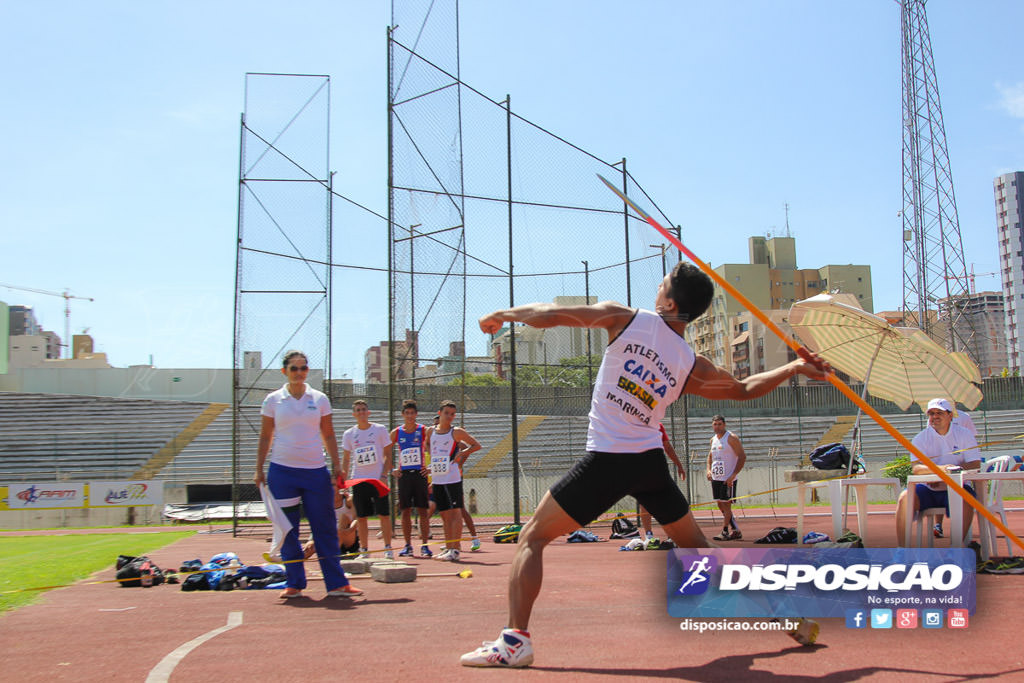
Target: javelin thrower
<point>646,366</point>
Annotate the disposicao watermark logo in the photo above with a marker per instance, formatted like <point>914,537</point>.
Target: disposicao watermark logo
<point>697,576</point>
<point>818,582</point>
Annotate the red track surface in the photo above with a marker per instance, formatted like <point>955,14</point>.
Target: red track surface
<point>601,614</point>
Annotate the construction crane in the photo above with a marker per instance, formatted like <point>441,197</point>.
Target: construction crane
<point>67,296</point>
<point>972,275</point>
<point>970,278</point>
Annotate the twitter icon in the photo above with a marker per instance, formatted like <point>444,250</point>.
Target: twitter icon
<point>881,618</point>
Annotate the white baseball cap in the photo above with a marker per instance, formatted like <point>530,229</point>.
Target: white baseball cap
<point>941,404</point>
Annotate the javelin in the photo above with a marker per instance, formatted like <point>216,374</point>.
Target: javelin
<point>991,443</point>
<point>835,381</point>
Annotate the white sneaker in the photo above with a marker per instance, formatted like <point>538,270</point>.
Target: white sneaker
<point>450,556</point>
<point>364,554</point>
<point>512,649</point>
<point>388,553</point>
<point>475,545</point>
<point>443,554</point>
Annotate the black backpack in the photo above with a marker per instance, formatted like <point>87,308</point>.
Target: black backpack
<point>831,456</point>
<point>130,569</point>
<point>623,528</point>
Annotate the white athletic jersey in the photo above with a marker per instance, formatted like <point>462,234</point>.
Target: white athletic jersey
<point>297,441</point>
<point>367,447</point>
<point>643,371</point>
<point>443,449</point>
<point>723,457</point>
<point>939,448</point>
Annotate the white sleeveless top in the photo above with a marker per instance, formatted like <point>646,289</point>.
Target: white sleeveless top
<point>723,457</point>
<point>443,449</point>
<point>643,371</point>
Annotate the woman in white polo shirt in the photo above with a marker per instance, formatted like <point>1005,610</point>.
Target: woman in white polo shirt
<point>297,422</point>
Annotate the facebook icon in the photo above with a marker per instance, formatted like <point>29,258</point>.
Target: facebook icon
<point>856,618</point>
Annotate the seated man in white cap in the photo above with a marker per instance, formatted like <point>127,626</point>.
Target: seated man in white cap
<point>950,447</point>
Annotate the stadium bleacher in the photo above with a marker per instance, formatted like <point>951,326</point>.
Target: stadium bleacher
<point>59,437</point>
<point>46,436</point>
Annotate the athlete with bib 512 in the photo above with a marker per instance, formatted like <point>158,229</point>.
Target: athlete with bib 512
<point>646,367</point>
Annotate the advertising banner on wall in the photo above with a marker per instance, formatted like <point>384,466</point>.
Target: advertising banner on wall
<point>104,494</point>
<point>44,496</point>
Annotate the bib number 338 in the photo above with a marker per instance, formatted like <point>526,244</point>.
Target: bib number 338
<point>439,465</point>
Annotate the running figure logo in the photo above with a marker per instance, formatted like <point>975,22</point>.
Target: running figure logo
<point>696,573</point>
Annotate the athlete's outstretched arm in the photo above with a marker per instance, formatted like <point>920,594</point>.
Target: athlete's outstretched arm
<point>609,315</point>
<point>716,383</point>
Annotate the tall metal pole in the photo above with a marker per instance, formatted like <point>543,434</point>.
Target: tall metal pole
<point>327,388</point>
<point>236,372</point>
<point>586,294</point>
<point>625,223</point>
<point>390,237</point>
<point>329,384</point>
<point>512,326</point>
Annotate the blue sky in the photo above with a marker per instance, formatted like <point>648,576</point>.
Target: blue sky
<point>121,136</point>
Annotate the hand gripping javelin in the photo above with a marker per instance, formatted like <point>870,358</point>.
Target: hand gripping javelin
<point>836,382</point>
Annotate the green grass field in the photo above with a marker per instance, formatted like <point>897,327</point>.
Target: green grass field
<point>35,561</point>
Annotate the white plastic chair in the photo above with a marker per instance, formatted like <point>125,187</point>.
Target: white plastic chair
<point>994,501</point>
<point>923,525</point>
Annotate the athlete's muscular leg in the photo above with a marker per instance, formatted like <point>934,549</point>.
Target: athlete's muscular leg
<point>407,525</point>
<point>548,523</point>
<point>725,507</point>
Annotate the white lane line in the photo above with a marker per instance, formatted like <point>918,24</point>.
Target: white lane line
<point>161,673</point>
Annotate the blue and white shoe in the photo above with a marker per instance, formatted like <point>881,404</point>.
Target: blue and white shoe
<point>406,551</point>
<point>512,649</point>
<point>425,551</point>
<point>475,545</point>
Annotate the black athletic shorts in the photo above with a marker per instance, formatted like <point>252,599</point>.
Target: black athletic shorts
<point>366,501</point>
<point>448,496</point>
<point>412,490</point>
<point>599,480</point>
<point>722,491</point>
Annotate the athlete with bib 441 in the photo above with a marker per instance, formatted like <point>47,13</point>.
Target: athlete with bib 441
<point>646,367</point>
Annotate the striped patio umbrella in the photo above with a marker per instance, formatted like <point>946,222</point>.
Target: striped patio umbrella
<point>898,364</point>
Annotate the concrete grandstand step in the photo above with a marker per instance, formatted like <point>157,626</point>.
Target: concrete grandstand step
<point>173,447</point>
<point>503,447</point>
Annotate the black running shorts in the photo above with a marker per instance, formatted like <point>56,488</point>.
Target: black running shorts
<point>722,491</point>
<point>599,480</point>
<point>366,501</point>
<point>448,496</point>
<point>412,490</point>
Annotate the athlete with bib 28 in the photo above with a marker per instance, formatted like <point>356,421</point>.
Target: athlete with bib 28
<point>646,367</point>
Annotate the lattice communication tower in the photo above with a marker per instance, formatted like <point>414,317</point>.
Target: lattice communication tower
<point>934,273</point>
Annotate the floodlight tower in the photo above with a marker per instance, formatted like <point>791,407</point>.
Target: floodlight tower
<point>934,272</point>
